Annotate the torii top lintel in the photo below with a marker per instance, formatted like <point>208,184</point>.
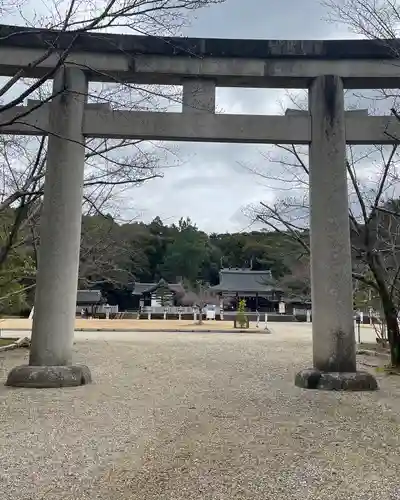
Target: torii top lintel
<point>17,36</point>
<point>229,62</point>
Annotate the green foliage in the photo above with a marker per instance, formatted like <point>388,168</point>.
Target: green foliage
<point>15,282</point>
<point>241,317</point>
<point>163,294</point>
<point>17,269</point>
<point>185,254</point>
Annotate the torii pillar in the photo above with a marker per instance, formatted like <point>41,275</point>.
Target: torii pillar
<point>50,362</point>
<point>334,350</point>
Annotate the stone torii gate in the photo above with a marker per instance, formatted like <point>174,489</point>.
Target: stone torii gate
<point>199,65</point>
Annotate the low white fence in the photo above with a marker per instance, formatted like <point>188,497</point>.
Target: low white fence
<point>105,308</point>
<point>299,312</point>
<point>168,310</point>
<point>177,311</point>
<point>98,309</point>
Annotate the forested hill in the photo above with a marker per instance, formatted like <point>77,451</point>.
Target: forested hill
<point>113,256</point>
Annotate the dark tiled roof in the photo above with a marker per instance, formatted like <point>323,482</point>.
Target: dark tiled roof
<point>89,297</point>
<point>141,288</point>
<point>245,280</point>
<point>297,300</point>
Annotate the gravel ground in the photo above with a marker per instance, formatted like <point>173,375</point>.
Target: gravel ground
<point>197,416</point>
<point>130,324</point>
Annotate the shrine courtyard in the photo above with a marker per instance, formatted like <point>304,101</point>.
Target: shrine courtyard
<point>173,416</point>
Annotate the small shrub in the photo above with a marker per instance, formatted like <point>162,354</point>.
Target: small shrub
<point>241,317</point>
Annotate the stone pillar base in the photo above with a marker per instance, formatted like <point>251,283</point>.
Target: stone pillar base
<point>336,381</point>
<point>49,376</point>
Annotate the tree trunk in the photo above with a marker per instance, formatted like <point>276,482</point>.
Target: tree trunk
<point>389,308</point>
<point>390,312</point>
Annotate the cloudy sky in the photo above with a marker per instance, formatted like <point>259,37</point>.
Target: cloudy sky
<point>211,186</point>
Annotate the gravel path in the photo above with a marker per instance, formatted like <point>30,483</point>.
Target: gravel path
<point>197,416</point>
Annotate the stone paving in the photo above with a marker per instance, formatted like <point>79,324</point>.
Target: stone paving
<point>197,416</point>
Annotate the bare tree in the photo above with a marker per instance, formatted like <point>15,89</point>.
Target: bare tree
<point>112,166</point>
<point>379,20</point>
<point>76,17</point>
<point>199,297</point>
<point>375,19</point>
<point>374,212</point>
<point>106,255</point>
